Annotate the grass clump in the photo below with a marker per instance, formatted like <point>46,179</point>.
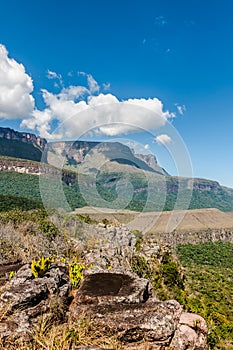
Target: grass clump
<point>52,336</point>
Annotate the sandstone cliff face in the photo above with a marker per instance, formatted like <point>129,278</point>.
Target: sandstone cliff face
<point>10,134</point>
<point>19,166</point>
<point>150,160</point>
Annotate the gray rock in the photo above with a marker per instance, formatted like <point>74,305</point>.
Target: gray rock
<point>185,338</point>
<point>151,321</point>
<point>26,298</point>
<point>194,321</point>
<point>110,287</point>
<point>191,333</point>
<point>113,246</point>
<point>117,300</point>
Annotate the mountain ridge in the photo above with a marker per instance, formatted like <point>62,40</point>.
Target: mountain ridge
<point>26,137</point>
<point>101,169</point>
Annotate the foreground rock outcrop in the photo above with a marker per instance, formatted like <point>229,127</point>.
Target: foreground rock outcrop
<point>115,300</point>
<point>25,298</point>
<point>129,310</point>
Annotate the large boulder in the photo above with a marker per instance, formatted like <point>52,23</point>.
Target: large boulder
<point>119,301</point>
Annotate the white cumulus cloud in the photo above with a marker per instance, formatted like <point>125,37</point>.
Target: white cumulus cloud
<point>163,139</point>
<point>75,110</point>
<point>102,114</point>
<point>15,88</point>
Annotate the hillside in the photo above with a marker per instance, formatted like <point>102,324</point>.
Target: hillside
<point>106,174</point>
<point>209,288</point>
<point>200,280</point>
<point>21,178</point>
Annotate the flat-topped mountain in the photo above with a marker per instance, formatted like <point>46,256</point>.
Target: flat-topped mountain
<point>21,144</point>
<point>25,137</point>
<point>118,155</point>
<point>100,173</point>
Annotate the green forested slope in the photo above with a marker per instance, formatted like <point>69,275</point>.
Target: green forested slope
<point>208,270</point>
<point>27,186</point>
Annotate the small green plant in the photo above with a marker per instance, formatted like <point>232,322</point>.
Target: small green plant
<point>76,273</point>
<point>40,267</point>
<point>105,221</point>
<point>139,239</point>
<point>86,219</point>
<point>141,267</point>
<point>12,274</point>
<point>137,233</point>
<point>138,244</point>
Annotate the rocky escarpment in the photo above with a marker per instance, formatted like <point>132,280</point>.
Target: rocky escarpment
<point>149,159</point>
<point>10,134</point>
<point>36,168</point>
<point>193,237</point>
<point>111,300</point>
<point>19,166</point>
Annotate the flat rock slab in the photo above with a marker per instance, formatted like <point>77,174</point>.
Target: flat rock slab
<point>101,284</point>
<point>112,286</point>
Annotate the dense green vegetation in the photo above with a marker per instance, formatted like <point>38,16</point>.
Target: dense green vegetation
<point>209,288</point>
<point>28,186</point>
<point>218,254</point>
<point>221,200</point>
<point>203,284</point>
<point>134,196</point>
<point>20,185</point>
<point>165,275</point>
<point>18,149</point>
<point>8,203</point>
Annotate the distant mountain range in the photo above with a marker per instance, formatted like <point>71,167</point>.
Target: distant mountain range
<point>110,166</point>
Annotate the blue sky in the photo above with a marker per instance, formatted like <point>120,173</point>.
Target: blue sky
<point>179,52</point>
